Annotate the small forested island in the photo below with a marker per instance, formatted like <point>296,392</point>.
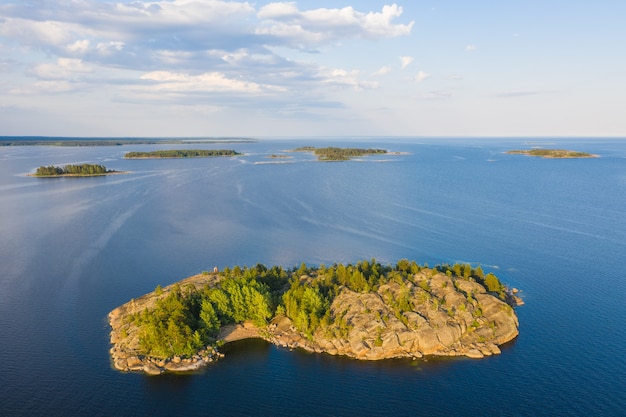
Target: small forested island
<point>181,153</point>
<point>552,153</point>
<point>364,311</point>
<point>339,154</point>
<point>82,170</point>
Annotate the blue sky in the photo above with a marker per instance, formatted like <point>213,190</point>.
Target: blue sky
<point>312,68</point>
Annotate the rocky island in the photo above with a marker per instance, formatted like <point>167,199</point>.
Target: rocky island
<point>365,311</point>
<point>552,153</point>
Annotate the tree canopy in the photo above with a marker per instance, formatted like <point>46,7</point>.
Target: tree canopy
<point>181,153</point>
<point>185,319</point>
<point>78,170</point>
<point>332,153</point>
<point>552,153</point>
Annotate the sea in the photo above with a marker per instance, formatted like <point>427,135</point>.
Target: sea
<point>73,249</point>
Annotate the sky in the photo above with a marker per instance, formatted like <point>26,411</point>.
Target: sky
<point>207,68</point>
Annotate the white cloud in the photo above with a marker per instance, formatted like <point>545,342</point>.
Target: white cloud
<point>32,32</point>
<point>110,47</point>
<point>405,61</point>
<point>279,11</point>
<point>382,71</point>
<point>145,35</point>
<point>79,47</point>
<point>421,76</point>
<point>237,56</point>
<point>66,25</point>
<point>177,12</point>
<point>64,68</point>
<point>187,50</point>
<point>343,78</point>
<point>471,48</point>
<point>166,81</point>
<point>307,29</point>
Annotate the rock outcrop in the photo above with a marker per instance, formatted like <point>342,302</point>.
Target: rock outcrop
<point>445,320</point>
<point>429,314</point>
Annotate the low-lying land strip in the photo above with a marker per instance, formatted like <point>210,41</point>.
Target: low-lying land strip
<point>552,153</point>
<point>181,153</point>
<point>364,311</point>
<point>71,141</point>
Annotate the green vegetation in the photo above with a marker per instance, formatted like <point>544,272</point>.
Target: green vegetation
<point>72,170</point>
<point>173,326</point>
<point>339,154</point>
<point>184,153</point>
<point>489,281</point>
<point>184,320</point>
<point>552,153</point>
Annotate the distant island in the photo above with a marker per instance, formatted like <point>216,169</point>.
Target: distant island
<point>338,154</point>
<point>82,170</point>
<point>74,141</point>
<point>181,153</point>
<point>552,153</point>
<point>365,311</point>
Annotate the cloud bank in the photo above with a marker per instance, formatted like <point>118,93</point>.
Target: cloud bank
<point>199,46</point>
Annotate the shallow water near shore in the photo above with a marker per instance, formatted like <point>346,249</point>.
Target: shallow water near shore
<point>72,249</point>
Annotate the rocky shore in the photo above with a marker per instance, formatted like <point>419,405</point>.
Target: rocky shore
<point>126,353</point>
<point>448,318</point>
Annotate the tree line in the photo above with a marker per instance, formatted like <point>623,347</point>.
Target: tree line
<point>332,153</point>
<point>187,318</point>
<point>82,169</point>
<point>552,153</point>
<point>182,153</point>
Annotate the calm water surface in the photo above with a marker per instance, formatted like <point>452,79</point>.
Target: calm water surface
<point>72,249</point>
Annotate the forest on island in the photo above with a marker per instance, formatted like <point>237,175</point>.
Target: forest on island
<point>181,153</point>
<point>75,170</point>
<point>339,154</point>
<point>187,319</point>
<point>552,153</point>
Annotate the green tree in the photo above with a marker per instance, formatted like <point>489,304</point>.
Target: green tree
<point>467,271</point>
<point>209,319</point>
<point>305,306</point>
<point>493,283</point>
<point>478,272</point>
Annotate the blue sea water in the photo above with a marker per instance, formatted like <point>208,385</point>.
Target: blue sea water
<point>72,249</point>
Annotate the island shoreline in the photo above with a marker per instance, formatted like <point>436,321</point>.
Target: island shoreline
<point>281,332</point>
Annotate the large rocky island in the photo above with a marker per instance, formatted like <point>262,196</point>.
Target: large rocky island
<point>364,311</point>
